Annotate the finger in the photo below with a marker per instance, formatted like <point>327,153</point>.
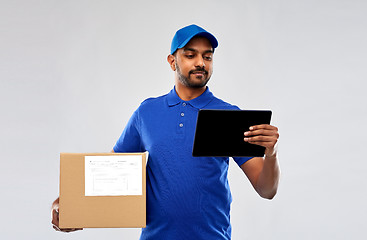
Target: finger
<point>263,126</point>
<point>264,132</point>
<point>55,217</point>
<point>261,138</point>
<point>70,229</point>
<point>264,139</point>
<point>67,230</point>
<point>56,227</point>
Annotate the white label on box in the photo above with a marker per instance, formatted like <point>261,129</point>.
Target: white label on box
<point>113,175</point>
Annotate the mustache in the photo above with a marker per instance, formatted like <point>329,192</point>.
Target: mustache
<point>198,70</point>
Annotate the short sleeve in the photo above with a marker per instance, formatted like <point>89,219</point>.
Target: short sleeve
<point>241,160</point>
<point>130,140</point>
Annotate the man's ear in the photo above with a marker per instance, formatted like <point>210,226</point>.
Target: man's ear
<point>172,62</point>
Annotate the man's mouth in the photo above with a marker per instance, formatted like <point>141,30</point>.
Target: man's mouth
<point>199,72</point>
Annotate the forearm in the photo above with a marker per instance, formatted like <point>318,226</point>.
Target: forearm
<point>263,172</point>
<point>267,182</point>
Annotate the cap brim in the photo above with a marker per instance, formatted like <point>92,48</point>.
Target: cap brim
<point>213,41</point>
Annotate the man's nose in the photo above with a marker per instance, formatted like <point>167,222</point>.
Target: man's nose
<point>200,62</point>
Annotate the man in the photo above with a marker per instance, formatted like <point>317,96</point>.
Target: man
<point>188,197</point>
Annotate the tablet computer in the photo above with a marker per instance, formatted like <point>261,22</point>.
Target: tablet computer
<point>220,133</point>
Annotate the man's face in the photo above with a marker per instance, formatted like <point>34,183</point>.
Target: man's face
<point>194,63</point>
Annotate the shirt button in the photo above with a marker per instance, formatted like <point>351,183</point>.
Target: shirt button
<point>181,125</point>
<point>182,114</point>
<point>184,104</point>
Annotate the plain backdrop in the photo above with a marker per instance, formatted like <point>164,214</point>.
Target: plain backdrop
<point>73,71</point>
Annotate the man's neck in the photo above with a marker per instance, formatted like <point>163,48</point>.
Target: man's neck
<point>187,93</point>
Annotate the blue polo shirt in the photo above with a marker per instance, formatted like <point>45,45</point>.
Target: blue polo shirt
<point>187,197</point>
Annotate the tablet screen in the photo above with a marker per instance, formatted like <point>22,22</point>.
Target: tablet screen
<point>221,133</point>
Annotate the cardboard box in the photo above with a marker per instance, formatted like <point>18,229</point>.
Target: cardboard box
<point>103,205</point>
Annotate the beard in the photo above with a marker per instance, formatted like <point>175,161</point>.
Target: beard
<point>191,84</point>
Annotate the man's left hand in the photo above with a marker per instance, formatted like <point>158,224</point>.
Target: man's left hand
<point>263,135</point>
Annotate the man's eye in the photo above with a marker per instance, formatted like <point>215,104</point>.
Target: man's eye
<point>189,56</point>
<point>208,58</point>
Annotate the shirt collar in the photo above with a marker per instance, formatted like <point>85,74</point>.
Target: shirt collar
<point>204,99</point>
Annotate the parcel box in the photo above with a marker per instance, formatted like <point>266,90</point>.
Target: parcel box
<point>102,190</point>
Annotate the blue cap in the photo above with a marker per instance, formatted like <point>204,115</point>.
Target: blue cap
<point>184,35</point>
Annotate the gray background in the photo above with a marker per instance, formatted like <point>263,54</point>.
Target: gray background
<point>73,71</point>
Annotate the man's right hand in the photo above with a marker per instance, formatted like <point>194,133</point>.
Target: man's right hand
<point>55,218</point>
